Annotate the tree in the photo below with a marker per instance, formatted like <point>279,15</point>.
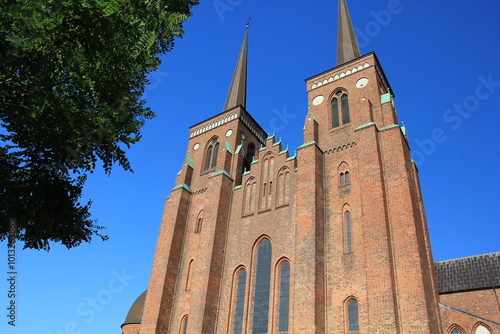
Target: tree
<point>72,73</point>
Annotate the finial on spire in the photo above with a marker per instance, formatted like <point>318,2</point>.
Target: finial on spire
<point>347,45</point>
<point>248,22</point>
<point>237,94</point>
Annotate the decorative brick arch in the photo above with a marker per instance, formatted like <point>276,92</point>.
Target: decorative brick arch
<point>267,181</point>
<point>250,196</point>
<point>455,328</point>
<point>283,186</point>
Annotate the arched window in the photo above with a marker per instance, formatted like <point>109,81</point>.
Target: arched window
<point>209,157</point>
<point>344,176</point>
<point>184,325</point>
<point>199,222</point>
<point>214,157</point>
<point>284,298</point>
<point>348,232</point>
<point>262,287</point>
<point>340,111</point>
<point>212,153</point>
<point>346,118</point>
<point>335,113</point>
<point>239,302</point>
<point>188,276</point>
<point>456,331</point>
<point>247,161</point>
<point>352,315</point>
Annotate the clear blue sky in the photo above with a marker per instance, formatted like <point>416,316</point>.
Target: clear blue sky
<point>436,54</point>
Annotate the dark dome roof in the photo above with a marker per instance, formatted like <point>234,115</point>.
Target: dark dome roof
<point>134,315</point>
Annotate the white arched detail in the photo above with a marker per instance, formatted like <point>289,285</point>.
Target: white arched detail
<point>482,330</point>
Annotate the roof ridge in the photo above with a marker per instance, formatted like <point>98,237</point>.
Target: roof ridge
<point>470,256</point>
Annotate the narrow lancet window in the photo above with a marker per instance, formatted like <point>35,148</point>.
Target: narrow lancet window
<point>209,157</point>
<point>212,153</point>
<point>262,288</point>
<point>348,233</point>
<point>184,325</point>
<point>247,161</point>
<point>199,222</point>
<point>352,316</point>
<point>216,153</point>
<point>188,277</point>
<point>284,298</point>
<point>335,113</point>
<point>340,111</point>
<point>239,303</point>
<point>346,118</point>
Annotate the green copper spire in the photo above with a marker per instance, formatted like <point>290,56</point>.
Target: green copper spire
<point>237,94</point>
<point>347,47</point>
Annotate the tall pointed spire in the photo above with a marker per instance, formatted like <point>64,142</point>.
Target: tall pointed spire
<point>347,45</point>
<point>237,94</point>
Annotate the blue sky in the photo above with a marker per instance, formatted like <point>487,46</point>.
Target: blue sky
<point>441,58</point>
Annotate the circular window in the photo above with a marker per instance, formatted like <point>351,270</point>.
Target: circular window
<point>362,82</point>
<point>318,100</point>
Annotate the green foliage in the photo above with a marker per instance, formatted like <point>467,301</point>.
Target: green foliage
<point>72,73</point>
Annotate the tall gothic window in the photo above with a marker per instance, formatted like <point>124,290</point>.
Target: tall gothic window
<point>247,161</point>
<point>346,118</point>
<point>212,153</point>
<point>214,157</point>
<point>456,331</point>
<point>348,231</point>
<point>284,298</point>
<point>239,302</point>
<point>352,316</point>
<point>340,109</point>
<point>262,288</point>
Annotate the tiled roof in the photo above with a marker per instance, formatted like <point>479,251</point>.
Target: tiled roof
<point>469,273</point>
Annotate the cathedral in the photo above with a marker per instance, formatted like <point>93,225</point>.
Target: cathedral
<point>332,239</point>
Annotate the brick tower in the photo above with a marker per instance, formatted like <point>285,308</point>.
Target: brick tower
<point>333,240</point>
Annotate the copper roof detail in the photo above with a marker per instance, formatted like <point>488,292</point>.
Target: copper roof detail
<point>134,315</point>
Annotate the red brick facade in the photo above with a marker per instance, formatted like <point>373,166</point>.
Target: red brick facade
<point>217,215</point>
<point>470,309</point>
<point>346,214</point>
